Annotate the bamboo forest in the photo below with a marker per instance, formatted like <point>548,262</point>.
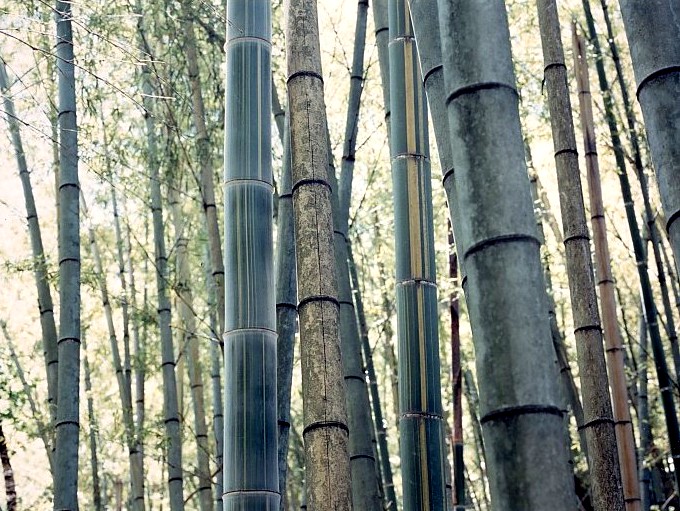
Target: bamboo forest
<point>325,255</point>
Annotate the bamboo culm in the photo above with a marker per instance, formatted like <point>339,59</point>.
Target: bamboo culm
<point>612,333</point>
<point>68,390</point>
<point>505,298</point>
<point>660,363</point>
<point>325,433</point>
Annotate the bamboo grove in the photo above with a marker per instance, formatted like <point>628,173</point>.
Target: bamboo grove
<point>391,255</point>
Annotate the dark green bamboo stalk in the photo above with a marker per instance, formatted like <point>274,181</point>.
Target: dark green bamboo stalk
<point>612,333</point>
<point>506,305</point>
<point>286,306</point>
<point>663,377</point>
<point>654,38</point>
<point>68,389</point>
<point>92,436</point>
<point>251,479</point>
<point>420,406</point>
<point>45,305</point>
<point>390,497</point>
<point>170,402</point>
<point>603,460</point>
<point>328,480</point>
<point>644,426</point>
<point>382,36</point>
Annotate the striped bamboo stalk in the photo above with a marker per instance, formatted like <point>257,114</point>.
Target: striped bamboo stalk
<point>251,478</point>
<point>420,406</point>
<point>501,260</point>
<point>68,346</point>
<point>603,459</point>
<point>663,377</point>
<point>325,433</point>
<point>612,333</point>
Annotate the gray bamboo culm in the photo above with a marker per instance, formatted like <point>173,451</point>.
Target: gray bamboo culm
<point>421,421</point>
<point>45,304</point>
<point>67,425</point>
<point>603,460</point>
<point>251,477</point>
<point>286,306</point>
<point>519,405</point>
<point>325,432</point>
<point>170,402</point>
<point>92,433</point>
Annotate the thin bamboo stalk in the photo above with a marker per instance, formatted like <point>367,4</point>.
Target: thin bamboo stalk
<point>68,346</point>
<point>92,433</point>
<point>644,426</point>
<point>251,477</point>
<point>599,426</point>
<point>661,365</point>
<point>8,472</point>
<point>612,333</point>
<point>480,451</point>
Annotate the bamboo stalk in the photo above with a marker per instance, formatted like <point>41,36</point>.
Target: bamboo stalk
<point>92,436</point>
<point>8,472</point>
<point>250,422</point>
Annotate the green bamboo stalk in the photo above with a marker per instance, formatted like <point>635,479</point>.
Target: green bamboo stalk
<point>324,414</point>
<point>170,404</point>
<point>612,333</point>
<point>654,38</point>
<point>286,308</point>
<point>382,36</point>
<point>501,259</point>
<point>45,305</point>
<point>68,346</point>
<point>92,436</point>
<point>390,497</point>
<point>203,149</point>
<point>188,338</point>
<point>250,423</point>
<point>661,366</point>
<point>644,426</point>
<point>599,426</point>
<point>420,406</point>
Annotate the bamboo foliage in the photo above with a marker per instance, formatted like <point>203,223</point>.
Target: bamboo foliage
<point>612,333</point>
<point>603,458</point>
<point>250,423</point>
<point>68,346</point>
<point>420,408</point>
<point>519,397</point>
<point>325,433</point>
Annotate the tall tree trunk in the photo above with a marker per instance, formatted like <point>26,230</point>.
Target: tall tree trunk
<point>286,308</point>
<point>203,149</point>
<point>170,405</point>
<point>421,421</point>
<point>8,471</point>
<point>68,390</point>
<point>654,38</point>
<point>612,333</point>
<point>603,460</point>
<point>45,305</point>
<point>325,432</point>
<point>251,479</point>
<point>92,424</point>
<point>518,384</point>
<point>663,377</point>
<point>390,497</point>
<point>190,341</point>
